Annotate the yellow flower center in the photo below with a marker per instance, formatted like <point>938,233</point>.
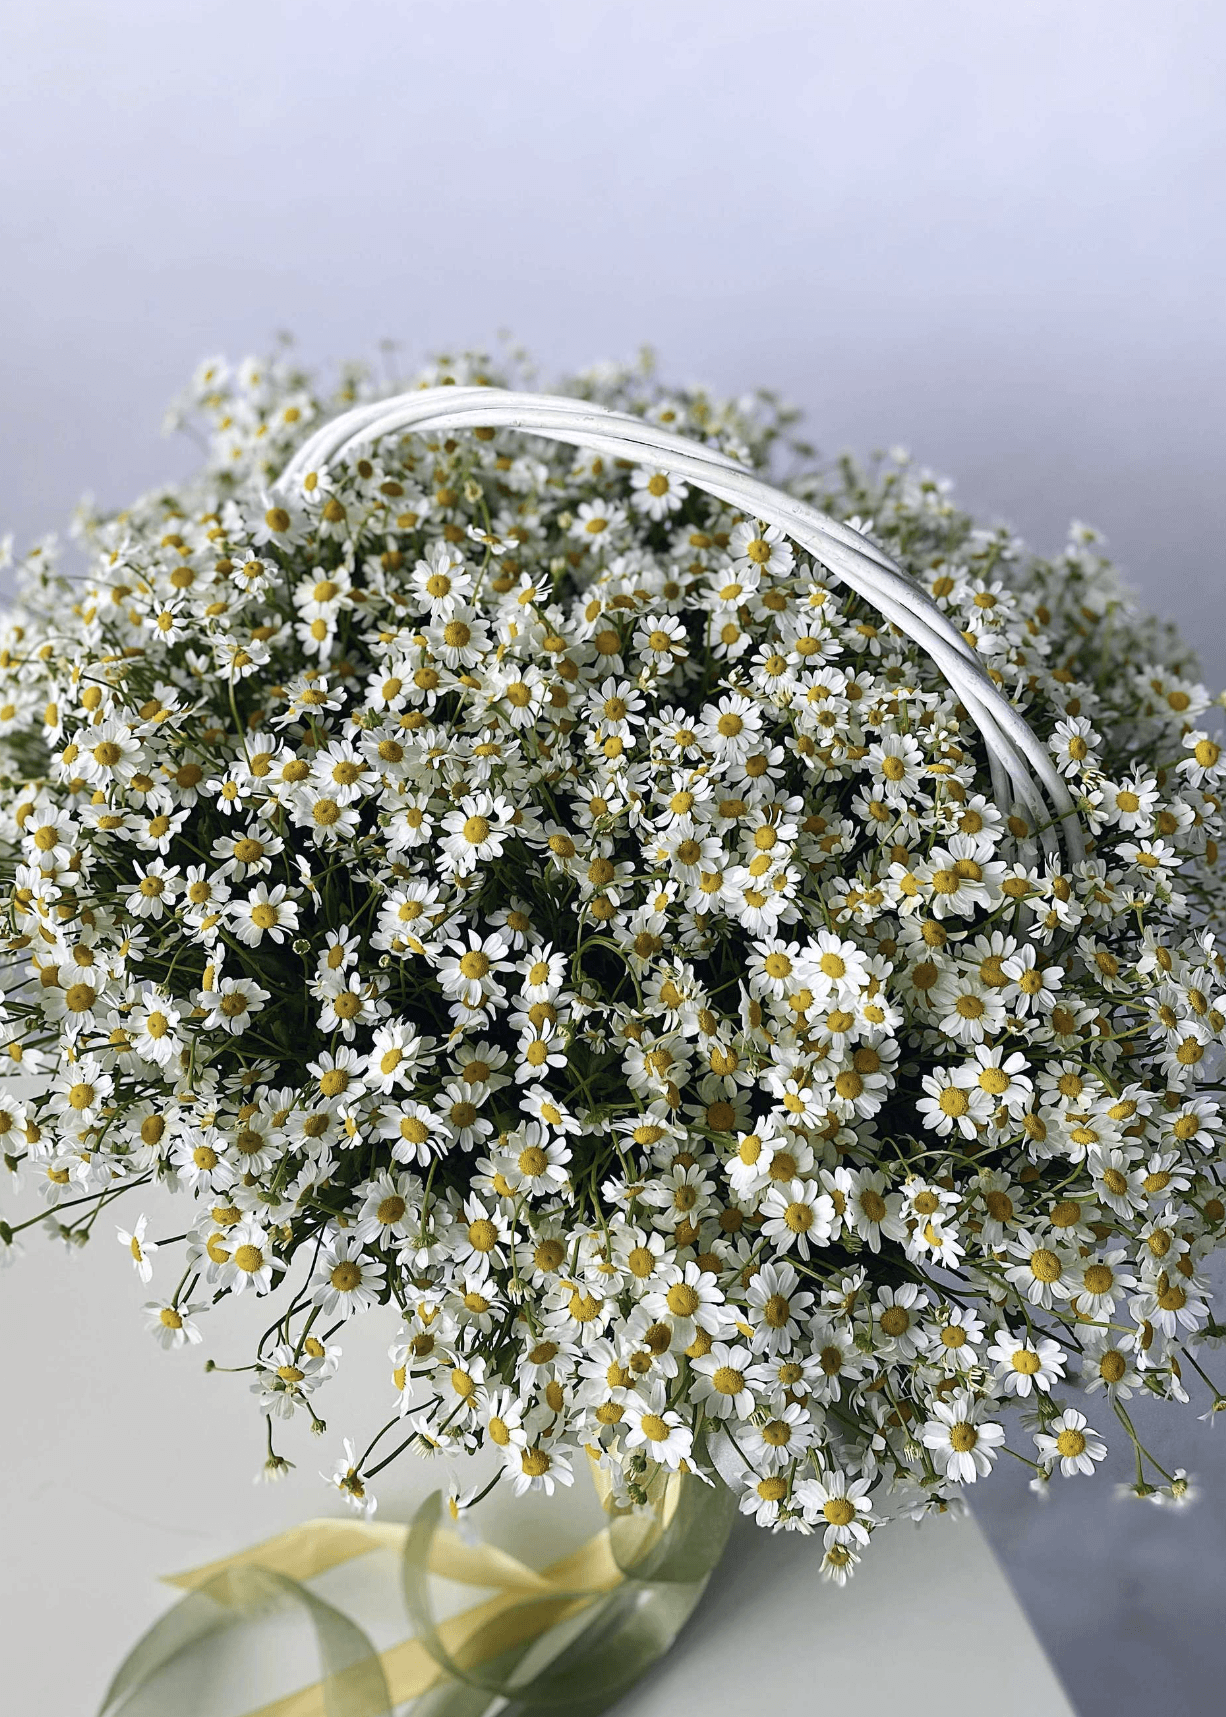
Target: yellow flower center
<point>1044,1265</point>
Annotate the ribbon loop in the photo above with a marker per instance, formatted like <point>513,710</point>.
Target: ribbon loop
<point>162,1674</point>
<point>601,1627</point>
<point>571,1638</point>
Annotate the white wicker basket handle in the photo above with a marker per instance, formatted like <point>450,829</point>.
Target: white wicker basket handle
<point>1021,767</point>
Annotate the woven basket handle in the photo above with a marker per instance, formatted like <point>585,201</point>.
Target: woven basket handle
<point>1021,767</point>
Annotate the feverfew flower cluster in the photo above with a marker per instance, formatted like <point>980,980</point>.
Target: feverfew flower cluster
<point>505,886</point>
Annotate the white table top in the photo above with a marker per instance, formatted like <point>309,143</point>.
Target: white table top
<point>120,1462</point>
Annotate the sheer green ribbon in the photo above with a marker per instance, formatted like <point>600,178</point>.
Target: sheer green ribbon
<point>571,1638</point>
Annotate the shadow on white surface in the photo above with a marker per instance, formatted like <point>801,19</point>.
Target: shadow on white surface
<point>928,1626</point>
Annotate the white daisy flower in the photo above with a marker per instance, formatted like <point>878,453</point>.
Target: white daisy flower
<point>655,493</point>
<point>531,1467</point>
<point>798,1215</point>
<point>1069,1440</point>
<point>838,1506</point>
<point>264,913</point>
<point>345,1281</point>
<point>720,1382</point>
<point>171,1325</point>
<point>962,1443</point>
<point>657,1429</point>
<point>349,1481</point>
<point>232,1005</point>
<point>142,1250</point>
<point>1026,1363</point>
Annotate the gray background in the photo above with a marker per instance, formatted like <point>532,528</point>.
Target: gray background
<point>993,234</point>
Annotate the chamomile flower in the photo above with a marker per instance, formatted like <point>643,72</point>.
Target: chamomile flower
<point>535,1164</point>
<point>388,1211</point>
<point>232,1005</point>
<point>154,1029</point>
<point>171,1325</point>
<point>347,1479</point>
<point>949,1103</point>
<point>1109,1364</point>
<point>720,1381</point>
<point>417,1134</point>
<point>264,913</point>
<point>838,1506</point>
<point>249,1258</point>
<point>776,1304</point>
<point>798,1216</point>
<point>1042,1270</point>
<point>1024,1363</point>
<point>962,1442</point>
<point>141,1249</point>
<point>345,1280</point>
<point>657,1429</point>
<point>1069,1440</point>
<point>655,493</point>
<point>532,1466</point>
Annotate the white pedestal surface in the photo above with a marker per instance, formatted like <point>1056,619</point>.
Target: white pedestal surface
<point>120,1463</point>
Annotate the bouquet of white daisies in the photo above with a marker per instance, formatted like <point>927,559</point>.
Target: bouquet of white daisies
<point>498,872</point>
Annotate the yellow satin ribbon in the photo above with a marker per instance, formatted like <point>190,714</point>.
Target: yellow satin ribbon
<point>629,1589</point>
<point>408,1668</point>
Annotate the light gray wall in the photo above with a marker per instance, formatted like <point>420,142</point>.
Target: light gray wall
<point>991,233</point>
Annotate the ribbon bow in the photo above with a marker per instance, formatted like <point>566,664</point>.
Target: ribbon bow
<point>572,1637</point>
